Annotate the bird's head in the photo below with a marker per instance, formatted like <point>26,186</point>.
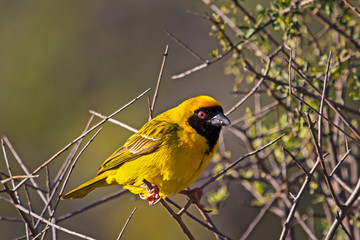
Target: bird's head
<point>205,115</point>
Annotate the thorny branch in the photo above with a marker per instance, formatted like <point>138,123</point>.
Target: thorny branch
<point>318,164</point>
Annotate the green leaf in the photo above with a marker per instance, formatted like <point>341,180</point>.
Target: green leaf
<point>249,32</point>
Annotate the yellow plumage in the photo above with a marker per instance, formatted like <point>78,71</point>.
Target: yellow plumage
<point>170,151</point>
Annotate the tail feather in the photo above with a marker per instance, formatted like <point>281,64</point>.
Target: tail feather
<point>84,189</point>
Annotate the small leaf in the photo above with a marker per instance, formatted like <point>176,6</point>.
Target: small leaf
<point>249,32</point>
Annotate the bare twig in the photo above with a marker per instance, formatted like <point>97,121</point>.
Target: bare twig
<point>165,54</point>
<point>192,52</point>
<point>233,26</point>
<point>257,85</point>
<point>212,179</point>
<point>260,215</point>
<point>9,170</point>
<point>352,7</point>
<point>238,104</point>
<point>297,161</point>
<point>205,215</point>
<point>327,119</point>
<point>322,163</point>
<point>296,6</point>
<point>296,202</point>
<point>10,219</point>
<point>75,161</point>
<point>15,198</point>
<point>334,26</point>
<point>67,178</point>
<point>201,66</point>
<point>22,215</point>
<point>92,205</point>
<point>70,157</point>
<point>114,121</point>
<point>126,223</point>
<point>90,130</point>
<point>210,228</point>
<point>353,197</point>
<point>333,107</point>
<point>178,220</point>
<point>173,214</point>
<point>340,162</point>
<point>24,210</point>
<point>18,177</point>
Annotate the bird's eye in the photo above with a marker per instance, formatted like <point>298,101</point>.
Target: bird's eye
<point>201,115</point>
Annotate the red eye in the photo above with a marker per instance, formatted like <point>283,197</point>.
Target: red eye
<point>201,115</point>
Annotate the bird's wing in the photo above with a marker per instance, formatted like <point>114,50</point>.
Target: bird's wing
<point>146,141</point>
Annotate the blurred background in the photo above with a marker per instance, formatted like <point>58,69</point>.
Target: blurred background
<point>60,59</point>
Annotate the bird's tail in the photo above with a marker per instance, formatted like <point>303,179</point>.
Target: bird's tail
<point>84,189</point>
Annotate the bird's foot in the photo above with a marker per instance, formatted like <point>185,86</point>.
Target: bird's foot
<point>153,196</point>
<point>195,195</point>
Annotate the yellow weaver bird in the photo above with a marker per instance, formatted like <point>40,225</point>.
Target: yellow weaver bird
<point>170,152</point>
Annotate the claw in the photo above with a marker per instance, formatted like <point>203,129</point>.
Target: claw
<point>153,196</point>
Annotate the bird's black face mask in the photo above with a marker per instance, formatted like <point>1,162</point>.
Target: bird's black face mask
<point>208,122</point>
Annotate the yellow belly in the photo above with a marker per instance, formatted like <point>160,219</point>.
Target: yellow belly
<point>170,169</point>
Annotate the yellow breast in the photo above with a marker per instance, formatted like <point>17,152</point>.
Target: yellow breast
<point>176,165</point>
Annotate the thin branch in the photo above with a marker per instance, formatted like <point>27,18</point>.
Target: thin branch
<point>329,121</point>
<point>330,103</point>
<point>201,66</point>
<point>257,85</point>
<point>24,210</point>
<point>343,226</point>
<point>25,169</point>
<point>192,52</point>
<point>206,217</point>
<point>114,121</point>
<point>253,90</point>
<point>92,205</point>
<point>257,115</point>
<point>18,177</point>
<point>340,162</point>
<point>322,163</point>
<point>301,89</point>
<point>210,228</point>
<point>297,5</point>
<point>10,219</point>
<point>297,161</point>
<point>173,214</point>
<point>15,200</point>
<point>165,54</point>
<point>212,179</point>
<point>353,197</point>
<point>56,183</point>
<point>253,20</point>
<point>324,20</point>
<point>352,7</point>
<point>233,26</point>
<point>67,177</point>
<point>70,156</point>
<point>75,161</point>
<point>9,170</point>
<point>296,202</point>
<point>178,220</point>
<point>260,215</point>
<point>90,130</point>
<point>126,223</point>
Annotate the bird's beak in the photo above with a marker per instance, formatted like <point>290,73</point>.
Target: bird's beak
<point>219,120</point>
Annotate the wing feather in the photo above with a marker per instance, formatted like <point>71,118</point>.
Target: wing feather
<point>146,141</point>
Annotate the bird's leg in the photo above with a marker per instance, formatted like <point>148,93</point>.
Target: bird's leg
<point>195,195</point>
<point>153,191</point>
